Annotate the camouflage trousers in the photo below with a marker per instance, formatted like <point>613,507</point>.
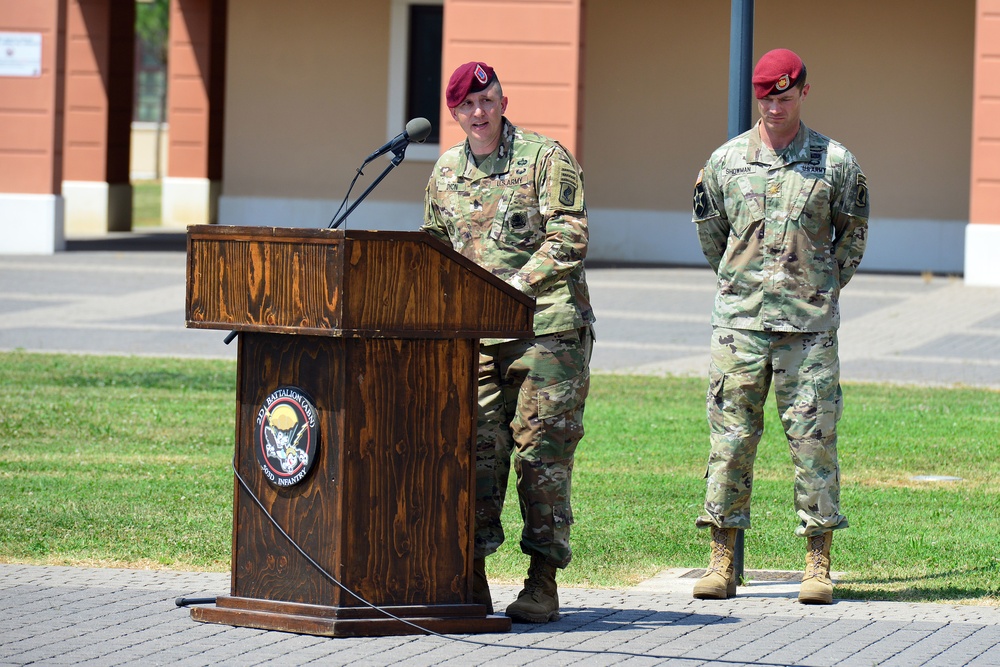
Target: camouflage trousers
<point>531,399</point>
<point>805,369</point>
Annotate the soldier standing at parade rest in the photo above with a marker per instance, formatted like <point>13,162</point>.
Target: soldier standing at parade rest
<point>782,217</point>
<point>512,201</point>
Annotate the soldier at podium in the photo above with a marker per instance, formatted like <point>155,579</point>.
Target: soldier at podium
<point>512,201</point>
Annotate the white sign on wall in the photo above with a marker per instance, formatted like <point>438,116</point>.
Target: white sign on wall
<point>20,54</point>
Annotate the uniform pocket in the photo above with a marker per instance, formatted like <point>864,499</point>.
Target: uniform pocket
<point>810,208</point>
<point>817,407</point>
<point>563,396</point>
<point>753,206</point>
<point>735,402</point>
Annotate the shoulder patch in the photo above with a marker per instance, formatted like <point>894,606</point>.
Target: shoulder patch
<point>701,203</point>
<point>861,192</point>
<point>567,182</point>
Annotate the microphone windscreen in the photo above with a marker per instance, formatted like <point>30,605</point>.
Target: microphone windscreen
<point>418,129</point>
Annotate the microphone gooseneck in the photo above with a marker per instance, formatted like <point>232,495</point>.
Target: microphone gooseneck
<point>416,130</point>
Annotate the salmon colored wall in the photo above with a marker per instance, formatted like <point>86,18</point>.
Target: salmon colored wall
<point>31,119</point>
<point>538,61</point>
<point>195,91</point>
<point>891,79</point>
<point>985,182</point>
<point>99,84</point>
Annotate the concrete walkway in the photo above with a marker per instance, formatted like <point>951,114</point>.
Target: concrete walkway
<point>126,296</point>
<point>79,616</point>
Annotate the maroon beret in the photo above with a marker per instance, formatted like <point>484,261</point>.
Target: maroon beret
<point>776,72</point>
<point>468,78</point>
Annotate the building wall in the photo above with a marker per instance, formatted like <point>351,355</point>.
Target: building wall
<point>656,95</point>
<point>982,235</point>
<point>985,188</point>
<point>31,134</point>
<point>892,80</point>
<point>540,70</point>
<point>306,102</point>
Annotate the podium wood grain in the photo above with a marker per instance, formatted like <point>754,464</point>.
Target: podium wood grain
<point>381,331</point>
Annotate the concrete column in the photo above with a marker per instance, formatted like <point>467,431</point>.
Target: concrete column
<point>982,234</point>
<point>100,77</point>
<point>31,127</point>
<point>545,93</point>
<point>195,96</point>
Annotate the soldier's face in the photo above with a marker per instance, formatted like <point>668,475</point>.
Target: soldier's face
<point>481,117</point>
<point>781,113</point>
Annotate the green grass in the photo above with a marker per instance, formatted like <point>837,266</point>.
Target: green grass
<point>118,461</point>
<point>146,204</point>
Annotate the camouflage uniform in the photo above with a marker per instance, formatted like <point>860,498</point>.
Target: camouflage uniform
<point>521,215</point>
<point>784,233</point>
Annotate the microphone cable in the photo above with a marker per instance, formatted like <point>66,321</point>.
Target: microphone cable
<point>351,187</point>
<point>181,602</point>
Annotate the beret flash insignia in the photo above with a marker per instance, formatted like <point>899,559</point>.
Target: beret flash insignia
<point>481,76</point>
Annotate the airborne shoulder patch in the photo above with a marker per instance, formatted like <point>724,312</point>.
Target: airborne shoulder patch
<point>861,192</point>
<point>567,183</point>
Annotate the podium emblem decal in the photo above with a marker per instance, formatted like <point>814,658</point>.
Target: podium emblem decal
<point>285,436</point>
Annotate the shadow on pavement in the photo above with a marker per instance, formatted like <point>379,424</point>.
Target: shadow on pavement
<point>142,241</point>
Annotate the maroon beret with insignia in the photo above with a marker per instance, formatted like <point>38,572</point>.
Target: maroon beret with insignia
<point>468,78</point>
<point>776,72</point>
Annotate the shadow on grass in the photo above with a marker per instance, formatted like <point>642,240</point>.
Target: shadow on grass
<point>908,589</point>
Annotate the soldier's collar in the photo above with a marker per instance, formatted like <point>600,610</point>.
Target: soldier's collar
<point>796,151</point>
<point>799,149</point>
<point>497,162</point>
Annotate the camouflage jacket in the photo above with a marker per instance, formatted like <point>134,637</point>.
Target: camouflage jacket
<point>520,215</point>
<point>784,233</point>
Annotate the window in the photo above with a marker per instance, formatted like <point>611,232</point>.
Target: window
<point>415,70</point>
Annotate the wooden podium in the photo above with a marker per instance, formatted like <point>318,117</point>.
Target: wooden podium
<point>379,332</point>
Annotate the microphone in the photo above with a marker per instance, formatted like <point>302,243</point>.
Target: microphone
<point>416,130</point>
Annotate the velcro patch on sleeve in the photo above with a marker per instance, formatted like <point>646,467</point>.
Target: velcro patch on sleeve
<point>701,203</point>
<point>567,183</point>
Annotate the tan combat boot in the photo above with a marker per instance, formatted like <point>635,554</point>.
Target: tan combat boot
<point>480,586</point>
<point>817,587</point>
<point>538,601</point>
<point>719,582</point>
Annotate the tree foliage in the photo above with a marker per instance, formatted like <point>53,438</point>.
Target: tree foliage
<point>152,23</point>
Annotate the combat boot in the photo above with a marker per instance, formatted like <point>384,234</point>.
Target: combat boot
<point>719,581</point>
<point>817,587</point>
<point>480,586</point>
<point>538,601</point>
